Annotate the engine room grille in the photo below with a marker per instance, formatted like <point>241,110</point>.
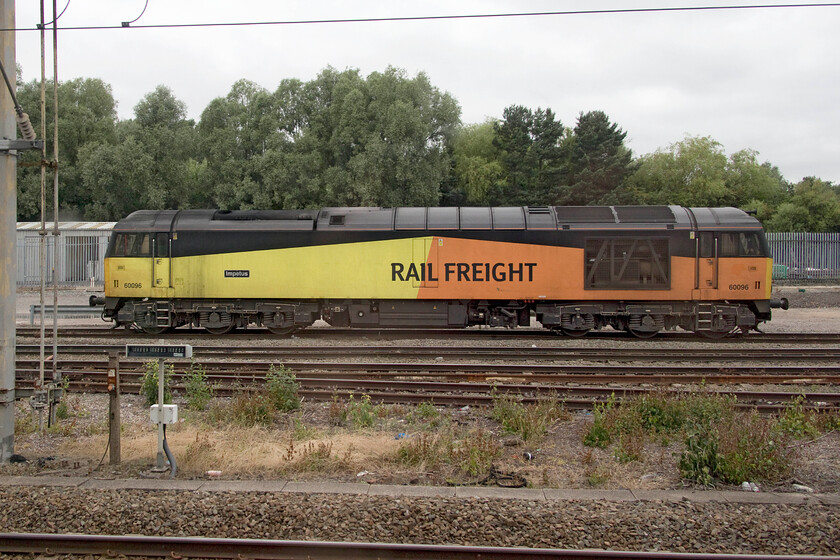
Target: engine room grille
<point>627,263</point>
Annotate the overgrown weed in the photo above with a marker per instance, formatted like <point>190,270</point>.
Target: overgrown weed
<point>356,413</point>
<point>244,409</point>
<point>149,385</point>
<point>720,444</point>
<point>198,389</point>
<point>528,421</point>
<point>282,388</point>
<point>467,452</point>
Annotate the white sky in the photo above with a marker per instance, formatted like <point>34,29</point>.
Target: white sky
<point>761,79</point>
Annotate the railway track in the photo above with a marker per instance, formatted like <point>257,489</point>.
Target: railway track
<point>466,383</point>
<point>810,354</point>
<point>463,334</point>
<point>212,548</point>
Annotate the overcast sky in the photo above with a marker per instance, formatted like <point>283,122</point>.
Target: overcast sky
<point>761,79</point>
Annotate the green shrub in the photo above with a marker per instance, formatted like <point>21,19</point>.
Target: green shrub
<point>797,422</point>
<point>282,388</point>
<point>363,413</point>
<point>630,446</point>
<point>742,447</point>
<point>149,385</point>
<point>752,450</point>
<point>469,453</point>
<point>473,455</point>
<point>654,413</point>
<point>62,411</point>
<point>244,409</point>
<point>699,459</point>
<point>598,434</point>
<point>427,411</point>
<point>527,421</point>
<point>198,389</point>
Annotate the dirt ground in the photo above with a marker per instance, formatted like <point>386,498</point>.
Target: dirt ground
<point>307,445</point>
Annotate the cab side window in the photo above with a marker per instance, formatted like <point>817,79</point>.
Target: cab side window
<point>162,245</point>
<point>707,245</point>
<point>740,245</point>
<point>142,245</point>
<point>728,244</point>
<point>120,248</point>
<point>133,245</point>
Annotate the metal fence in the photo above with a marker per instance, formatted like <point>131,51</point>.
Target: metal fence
<point>81,256</point>
<point>805,257</point>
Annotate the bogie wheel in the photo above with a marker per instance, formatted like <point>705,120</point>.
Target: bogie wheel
<point>714,335</point>
<point>282,331</point>
<point>575,333</point>
<point>220,330</point>
<point>642,334</point>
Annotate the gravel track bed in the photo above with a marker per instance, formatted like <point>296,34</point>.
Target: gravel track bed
<point>643,525</point>
<point>679,527</point>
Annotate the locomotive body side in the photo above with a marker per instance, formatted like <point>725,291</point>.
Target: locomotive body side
<point>440,266</point>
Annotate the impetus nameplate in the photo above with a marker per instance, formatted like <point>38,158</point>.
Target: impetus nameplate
<point>158,351</point>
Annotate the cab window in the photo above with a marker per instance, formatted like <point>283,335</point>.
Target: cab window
<point>132,245</point>
<point>707,245</point>
<point>740,245</point>
<point>162,245</point>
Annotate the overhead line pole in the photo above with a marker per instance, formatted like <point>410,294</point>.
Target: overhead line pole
<point>8,253</point>
<point>56,374</point>
<point>42,245</point>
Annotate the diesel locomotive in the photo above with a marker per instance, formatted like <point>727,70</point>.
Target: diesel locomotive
<point>641,269</point>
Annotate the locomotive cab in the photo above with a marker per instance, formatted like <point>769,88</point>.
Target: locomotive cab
<point>138,267</point>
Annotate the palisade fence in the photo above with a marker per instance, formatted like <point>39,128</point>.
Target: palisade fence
<point>798,258</point>
<point>805,257</point>
<point>81,254</point>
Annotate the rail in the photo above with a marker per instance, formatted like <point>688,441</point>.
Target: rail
<point>191,547</point>
<point>64,312</point>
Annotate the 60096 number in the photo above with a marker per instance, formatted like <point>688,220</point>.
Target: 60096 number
<point>133,285</point>
<point>737,287</point>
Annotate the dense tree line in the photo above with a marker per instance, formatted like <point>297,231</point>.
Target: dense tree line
<point>387,139</point>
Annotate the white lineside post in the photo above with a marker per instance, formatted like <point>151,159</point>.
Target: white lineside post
<point>8,257</point>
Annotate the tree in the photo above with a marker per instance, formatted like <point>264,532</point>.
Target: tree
<point>477,163</point>
<point>338,140</point>
<point>814,207</point>
<point>697,172</point>
<point>599,162</point>
<point>529,142</point>
<point>161,127</point>
<point>117,177</point>
<point>233,134</point>
<point>87,113</point>
<point>406,147</point>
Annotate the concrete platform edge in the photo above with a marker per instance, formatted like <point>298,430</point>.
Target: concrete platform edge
<point>530,494</point>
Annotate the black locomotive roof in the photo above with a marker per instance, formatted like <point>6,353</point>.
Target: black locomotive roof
<point>439,218</point>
